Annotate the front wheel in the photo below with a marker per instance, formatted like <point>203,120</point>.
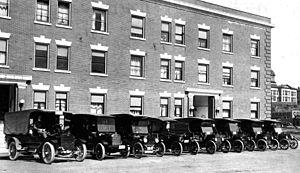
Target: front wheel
<point>177,148</point>
<point>194,148</point>
<point>293,143</point>
<point>81,152</point>
<point>126,152</point>
<point>138,150</point>
<point>262,144</point>
<point>160,149</point>
<point>225,146</point>
<point>238,146</point>
<point>99,151</point>
<point>211,147</point>
<point>13,152</point>
<point>274,144</point>
<point>284,144</point>
<point>48,153</point>
<point>250,146</point>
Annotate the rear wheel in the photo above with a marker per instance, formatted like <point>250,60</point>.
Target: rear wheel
<point>48,153</point>
<point>211,147</point>
<point>274,144</point>
<point>99,151</point>
<point>138,150</point>
<point>284,144</point>
<point>12,150</point>
<point>126,152</point>
<point>250,146</point>
<point>194,147</point>
<point>238,146</point>
<point>293,143</point>
<point>225,146</point>
<point>262,144</point>
<point>81,152</point>
<point>176,148</point>
<point>160,149</point>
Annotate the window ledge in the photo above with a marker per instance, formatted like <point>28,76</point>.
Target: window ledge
<point>256,57</point>
<point>229,53</point>
<point>180,45</point>
<point>168,43</point>
<point>5,17</point>
<point>201,83</point>
<point>62,71</point>
<point>42,23</point>
<point>229,86</point>
<point>202,48</point>
<point>4,66</point>
<point>98,74</point>
<point>179,81</point>
<point>165,80</point>
<point>63,26</point>
<point>137,38</point>
<point>40,69</point>
<point>99,32</point>
<point>255,88</point>
<point>136,77</point>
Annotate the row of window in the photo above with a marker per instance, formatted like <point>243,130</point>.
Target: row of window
<point>286,95</point>
<point>228,107</point>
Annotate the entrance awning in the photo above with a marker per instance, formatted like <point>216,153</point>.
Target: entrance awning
<point>204,92</point>
<point>15,79</point>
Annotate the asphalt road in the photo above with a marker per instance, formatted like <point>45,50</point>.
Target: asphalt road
<point>268,161</point>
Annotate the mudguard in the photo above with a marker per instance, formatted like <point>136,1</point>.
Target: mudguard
<point>17,141</point>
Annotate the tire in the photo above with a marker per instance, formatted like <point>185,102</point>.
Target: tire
<point>225,146</point>
<point>48,153</point>
<point>274,144</point>
<point>293,143</point>
<point>160,149</point>
<point>284,144</point>
<point>138,150</point>
<point>194,148</point>
<point>176,148</point>
<point>211,147</point>
<point>126,152</point>
<point>82,152</point>
<point>99,151</point>
<point>250,146</point>
<point>262,145</point>
<point>12,151</point>
<point>238,146</point>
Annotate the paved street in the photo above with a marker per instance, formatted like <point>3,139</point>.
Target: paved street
<point>269,161</point>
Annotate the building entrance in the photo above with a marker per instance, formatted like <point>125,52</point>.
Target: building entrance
<point>204,106</point>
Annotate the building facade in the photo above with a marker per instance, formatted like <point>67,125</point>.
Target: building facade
<point>174,58</point>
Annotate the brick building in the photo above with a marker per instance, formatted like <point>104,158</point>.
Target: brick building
<point>154,57</point>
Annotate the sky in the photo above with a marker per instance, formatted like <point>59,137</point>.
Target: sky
<point>285,37</point>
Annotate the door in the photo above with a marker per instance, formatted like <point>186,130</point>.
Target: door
<point>211,107</point>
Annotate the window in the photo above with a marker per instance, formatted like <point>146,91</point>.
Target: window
<point>286,95</point>
<point>164,107</point>
<point>203,73</point>
<point>4,7</point>
<point>3,52</point>
<point>165,32</point>
<point>254,110</point>
<point>275,95</point>
<point>203,38</point>
<point>179,34</point>
<point>136,105</point>
<point>41,55</point>
<point>179,70</point>
<point>227,43</point>
<point>178,107</point>
<point>165,69</point>
<point>294,96</point>
<point>137,27</point>
<point>227,76</point>
<point>136,66</point>
<point>42,11</point>
<point>97,103</point>
<point>39,100</point>
<point>61,101</point>
<point>63,14</point>
<point>254,78</point>
<point>226,109</point>
<point>62,62</point>
<point>100,20</point>
<point>98,62</point>
<point>254,47</point>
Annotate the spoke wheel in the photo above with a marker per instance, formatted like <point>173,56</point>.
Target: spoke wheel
<point>262,144</point>
<point>138,150</point>
<point>194,148</point>
<point>160,149</point>
<point>211,147</point>
<point>238,146</point>
<point>126,152</point>
<point>293,143</point>
<point>81,152</point>
<point>13,152</point>
<point>48,153</point>
<point>284,144</point>
<point>250,145</point>
<point>99,151</point>
<point>177,149</point>
<point>274,144</point>
<point>225,146</point>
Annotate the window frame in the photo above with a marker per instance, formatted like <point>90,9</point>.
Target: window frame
<point>206,40</point>
<point>37,102</point>
<point>5,52</point>
<point>224,75</point>
<point>100,11</point>
<point>98,103</point>
<point>131,107</point>
<point>167,106</point>
<point>8,9</point>
<point>256,112</point>
<point>182,70</point>
<point>229,110</point>
<point>169,32</point>
<point>206,73</point>
<point>105,61</point>
<point>178,106</point>
<point>168,77</point>
<point>257,47</point>
<point>35,54</point>
<point>69,12</point>
<point>142,28</point>
<point>225,44</point>
<point>66,101</point>
<point>68,57</point>
<point>48,12</point>
<point>142,66</point>
<point>182,34</point>
<point>257,80</point>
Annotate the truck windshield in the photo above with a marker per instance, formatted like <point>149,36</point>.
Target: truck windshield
<point>106,125</point>
<point>233,127</point>
<point>140,126</point>
<point>256,128</point>
<point>207,128</point>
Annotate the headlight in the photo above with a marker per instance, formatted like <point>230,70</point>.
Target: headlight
<point>221,139</point>
<point>234,133</point>
<point>215,139</point>
<point>156,140</point>
<point>30,132</point>
<point>258,132</point>
<point>145,140</point>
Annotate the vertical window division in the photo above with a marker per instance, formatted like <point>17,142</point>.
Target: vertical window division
<point>136,66</point>
<point>179,70</point>
<point>165,31</point>
<point>254,110</point>
<point>254,47</point>
<point>137,27</point>
<point>3,51</point>
<point>100,20</point>
<point>39,101</point>
<point>41,55</point>
<point>165,69</point>
<point>98,62</point>
<point>63,13</point>
<point>203,38</point>
<point>227,107</point>
<point>227,43</point>
<point>42,11</point>
<point>136,105</point>
<point>227,76</point>
<point>4,7</point>
<point>254,78</point>
<point>61,101</point>
<point>178,107</point>
<point>97,103</point>
<point>164,107</point>
<point>179,34</point>
<point>62,62</point>
<point>203,73</point>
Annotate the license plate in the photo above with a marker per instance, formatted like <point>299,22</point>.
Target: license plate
<point>121,147</point>
<point>186,141</point>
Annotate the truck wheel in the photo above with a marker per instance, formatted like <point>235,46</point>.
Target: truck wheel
<point>160,149</point>
<point>126,152</point>
<point>81,152</point>
<point>99,151</point>
<point>262,144</point>
<point>284,144</point>
<point>274,144</point>
<point>293,143</point>
<point>12,150</point>
<point>194,148</point>
<point>48,153</point>
<point>238,146</point>
<point>138,150</point>
<point>225,146</point>
<point>211,147</point>
<point>250,145</point>
<point>176,148</point>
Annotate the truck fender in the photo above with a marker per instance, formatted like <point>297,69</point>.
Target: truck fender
<point>17,141</point>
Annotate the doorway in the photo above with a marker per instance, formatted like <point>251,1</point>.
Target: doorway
<point>7,99</point>
<point>204,106</point>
